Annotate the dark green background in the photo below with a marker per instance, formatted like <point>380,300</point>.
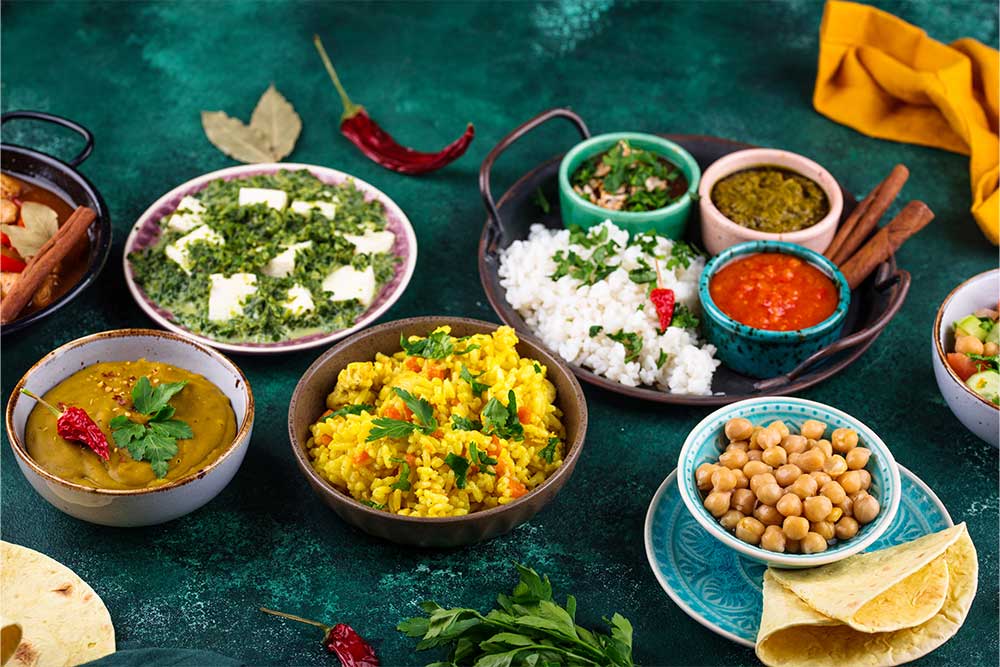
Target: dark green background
<point>138,75</point>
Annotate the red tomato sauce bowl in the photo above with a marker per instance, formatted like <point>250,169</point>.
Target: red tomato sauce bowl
<point>769,305</point>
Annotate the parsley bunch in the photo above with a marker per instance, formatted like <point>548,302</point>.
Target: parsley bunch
<point>156,439</point>
<point>528,628</point>
<point>385,427</point>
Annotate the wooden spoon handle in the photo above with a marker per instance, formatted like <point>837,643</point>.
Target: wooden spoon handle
<point>914,217</point>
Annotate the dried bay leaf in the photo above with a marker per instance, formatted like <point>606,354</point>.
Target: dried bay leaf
<point>40,224</point>
<point>275,117</point>
<point>235,139</point>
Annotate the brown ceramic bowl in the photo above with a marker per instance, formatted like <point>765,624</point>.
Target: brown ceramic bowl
<point>309,402</point>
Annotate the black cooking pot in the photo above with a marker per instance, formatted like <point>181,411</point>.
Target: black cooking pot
<point>63,179</point>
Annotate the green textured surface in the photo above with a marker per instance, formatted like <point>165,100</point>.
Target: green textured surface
<point>138,74</point>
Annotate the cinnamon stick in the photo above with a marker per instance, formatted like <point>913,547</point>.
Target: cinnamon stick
<point>44,262</point>
<point>914,217</point>
<point>865,216</point>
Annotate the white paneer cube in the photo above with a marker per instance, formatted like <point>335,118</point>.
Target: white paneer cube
<point>274,198</point>
<point>283,263</point>
<point>327,209</point>
<point>372,242</point>
<point>299,301</point>
<point>346,283</point>
<point>228,295</point>
<point>189,203</point>
<point>180,250</point>
<point>183,221</point>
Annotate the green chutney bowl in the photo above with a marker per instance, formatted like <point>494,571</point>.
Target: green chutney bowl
<point>670,221</point>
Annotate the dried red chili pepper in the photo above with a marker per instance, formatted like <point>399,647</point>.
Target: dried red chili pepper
<point>76,425</point>
<point>377,144</point>
<point>663,300</point>
<point>11,264</point>
<point>341,640</point>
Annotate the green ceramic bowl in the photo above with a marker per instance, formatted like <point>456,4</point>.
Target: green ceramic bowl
<point>669,221</point>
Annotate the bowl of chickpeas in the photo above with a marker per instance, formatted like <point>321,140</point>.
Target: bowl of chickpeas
<point>789,482</point>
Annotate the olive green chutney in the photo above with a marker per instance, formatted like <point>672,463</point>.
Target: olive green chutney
<point>770,199</point>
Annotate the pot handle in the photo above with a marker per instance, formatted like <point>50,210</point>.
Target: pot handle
<point>62,122</point>
<point>495,226</point>
<point>900,280</point>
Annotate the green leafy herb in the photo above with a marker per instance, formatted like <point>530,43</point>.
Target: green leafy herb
<point>587,270</point>
<point>403,483</point>
<point>373,504</point>
<point>460,423</point>
<point>386,427</point>
<point>156,439</point>
<point>631,341</point>
<point>477,387</point>
<point>527,628</point>
<point>594,330</point>
<point>422,410</point>
<point>541,201</point>
<point>479,457</point>
<point>502,421</point>
<point>643,274</point>
<point>549,451</point>
<point>627,178</point>
<point>684,318</point>
<point>681,255</point>
<point>992,361</point>
<point>437,345</point>
<point>460,465</point>
<point>538,369</point>
<point>662,359</point>
<point>350,410</point>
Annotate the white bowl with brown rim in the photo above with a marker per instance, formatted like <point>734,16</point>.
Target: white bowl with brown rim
<point>719,232</point>
<point>132,507</point>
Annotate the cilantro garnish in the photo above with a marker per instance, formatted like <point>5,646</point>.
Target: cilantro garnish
<point>639,178</point>
<point>631,341</point>
<point>403,483</point>
<point>549,451</point>
<point>477,387</point>
<point>460,465</point>
<point>155,440</point>
<point>684,317</point>
<point>372,504</point>
<point>541,201</point>
<point>437,345</point>
<point>682,254</point>
<point>503,421</point>
<point>479,457</point>
<point>992,361</point>
<point>385,427</point>
<point>594,330</point>
<point>643,274</point>
<point>662,359</point>
<point>538,369</point>
<point>349,410</point>
<point>460,423</point>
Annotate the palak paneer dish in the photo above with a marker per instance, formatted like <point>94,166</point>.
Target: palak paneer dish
<point>162,423</point>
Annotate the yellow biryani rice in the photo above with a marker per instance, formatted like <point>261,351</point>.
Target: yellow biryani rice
<point>409,474</point>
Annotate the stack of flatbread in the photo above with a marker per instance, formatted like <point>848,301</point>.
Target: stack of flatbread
<point>875,609</point>
<point>48,615</point>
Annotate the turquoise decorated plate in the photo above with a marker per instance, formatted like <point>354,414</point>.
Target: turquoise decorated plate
<point>722,590</point>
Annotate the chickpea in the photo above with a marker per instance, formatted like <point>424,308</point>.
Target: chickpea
<point>825,445</point>
<point>758,481</point>
<point>866,479</point>
<point>730,519</point>
<point>813,543</point>
<point>846,528</point>
<point>768,515</point>
<point>749,530</point>
<point>795,527</point>
<point>743,501</point>
<point>780,427</point>
<point>821,478</point>
<point>844,440</point>
<point>836,465</point>
<point>769,494</point>
<point>812,460</point>
<point>756,468</point>
<point>847,505</point>
<point>738,429</point>
<point>851,481</point>
<point>790,505</point>
<point>773,539</point>
<point>866,509</point>
<point>861,493</point>
<point>754,455</point>
<point>991,349</point>
<point>753,437</point>
<point>733,459</point>
<point>787,474</point>
<point>804,487</point>
<point>812,429</point>
<point>817,508</point>
<point>769,437</point>
<point>835,515</point>
<point>742,445</point>
<point>858,457</point>
<point>794,457</point>
<point>968,345</point>
<point>823,528</point>
<point>723,479</point>
<point>774,456</point>
<point>834,491</point>
<point>792,546</point>
<point>794,444</point>
<point>717,502</point>
<point>742,481</point>
<point>703,476</point>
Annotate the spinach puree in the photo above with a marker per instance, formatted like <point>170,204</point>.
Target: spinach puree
<point>770,199</point>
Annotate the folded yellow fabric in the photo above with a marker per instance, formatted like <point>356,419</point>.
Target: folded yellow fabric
<point>886,78</point>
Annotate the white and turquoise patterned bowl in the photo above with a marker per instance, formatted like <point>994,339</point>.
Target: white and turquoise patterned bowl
<point>707,440</point>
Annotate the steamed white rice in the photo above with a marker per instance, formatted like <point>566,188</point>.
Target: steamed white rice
<point>562,312</point>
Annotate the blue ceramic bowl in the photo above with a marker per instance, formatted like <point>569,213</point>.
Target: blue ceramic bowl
<point>758,352</point>
<point>670,221</point>
<point>707,441</point>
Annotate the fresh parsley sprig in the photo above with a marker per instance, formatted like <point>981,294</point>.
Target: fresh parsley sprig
<point>386,427</point>
<point>349,410</point>
<point>437,345</point>
<point>549,451</point>
<point>477,387</point>
<point>460,465</point>
<point>403,483</point>
<point>501,420</point>
<point>155,440</point>
<point>460,423</point>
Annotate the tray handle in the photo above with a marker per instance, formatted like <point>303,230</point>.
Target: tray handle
<point>900,280</point>
<point>62,122</point>
<point>495,230</point>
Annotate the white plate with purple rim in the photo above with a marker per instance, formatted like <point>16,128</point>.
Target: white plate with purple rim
<point>146,231</point>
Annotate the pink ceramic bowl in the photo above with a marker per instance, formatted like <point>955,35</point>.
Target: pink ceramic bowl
<point>719,232</point>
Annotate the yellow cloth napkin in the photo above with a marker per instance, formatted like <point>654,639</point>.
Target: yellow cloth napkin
<point>888,79</point>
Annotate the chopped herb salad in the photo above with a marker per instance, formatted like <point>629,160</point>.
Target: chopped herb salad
<point>268,258</point>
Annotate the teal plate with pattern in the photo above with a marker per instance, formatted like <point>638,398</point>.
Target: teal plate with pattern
<point>722,590</point>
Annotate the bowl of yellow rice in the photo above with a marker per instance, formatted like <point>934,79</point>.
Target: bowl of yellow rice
<point>437,431</point>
